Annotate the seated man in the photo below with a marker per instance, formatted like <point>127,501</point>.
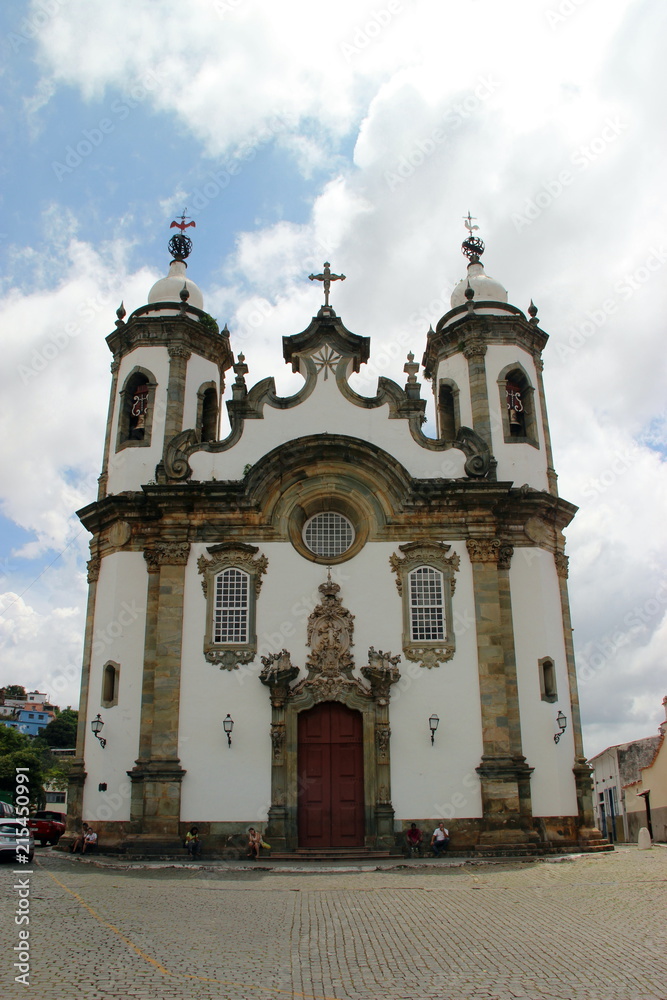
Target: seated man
<point>89,840</point>
<point>415,840</point>
<point>440,840</point>
<point>192,842</point>
<point>80,840</point>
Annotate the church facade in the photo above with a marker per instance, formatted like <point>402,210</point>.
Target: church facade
<point>322,622</point>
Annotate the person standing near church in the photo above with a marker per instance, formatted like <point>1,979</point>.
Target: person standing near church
<point>440,840</point>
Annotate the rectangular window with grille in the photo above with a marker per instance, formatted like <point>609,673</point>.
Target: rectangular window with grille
<point>427,613</point>
<point>230,616</point>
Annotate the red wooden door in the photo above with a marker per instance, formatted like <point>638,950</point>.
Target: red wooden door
<point>331,777</point>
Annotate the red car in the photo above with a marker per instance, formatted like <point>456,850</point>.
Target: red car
<point>47,827</point>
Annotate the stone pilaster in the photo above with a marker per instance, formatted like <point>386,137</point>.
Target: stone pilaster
<point>178,364</point>
<point>104,476</point>
<point>552,478</point>
<point>582,771</point>
<point>474,351</point>
<point>504,774</point>
<point>277,673</point>
<point>77,774</point>
<point>157,775</point>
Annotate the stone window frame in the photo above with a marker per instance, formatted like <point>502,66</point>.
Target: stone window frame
<point>244,557</point>
<point>204,389</point>
<point>415,556</point>
<point>455,415</point>
<point>531,436</point>
<point>122,438</point>
<point>548,685</point>
<point>110,684</point>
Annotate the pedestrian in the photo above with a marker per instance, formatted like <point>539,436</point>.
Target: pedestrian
<point>254,843</point>
<point>440,840</point>
<point>79,842</point>
<point>89,840</point>
<point>414,840</point>
<point>192,842</point>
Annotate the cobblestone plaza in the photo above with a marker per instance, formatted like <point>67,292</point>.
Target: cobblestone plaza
<point>589,928</point>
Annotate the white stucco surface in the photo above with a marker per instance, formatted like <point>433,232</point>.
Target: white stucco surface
<point>538,632</point>
<point>119,630</point>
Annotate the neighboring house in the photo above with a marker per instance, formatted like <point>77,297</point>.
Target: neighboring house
<point>616,776</point>
<point>32,723</point>
<point>646,798</point>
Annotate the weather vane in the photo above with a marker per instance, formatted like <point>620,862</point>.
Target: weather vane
<point>327,277</point>
<point>472,247</point>
<point>180,245</point>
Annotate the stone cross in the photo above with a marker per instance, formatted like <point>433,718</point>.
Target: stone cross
<point>327,277</point>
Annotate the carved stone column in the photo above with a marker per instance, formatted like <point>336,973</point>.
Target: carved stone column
<point>277,673</point>
<point>382,671</point>
<point>474,351</point>
<point>504,774</point>
<point>157,776</point>
<point>582,771</point>
<point>113,399</point>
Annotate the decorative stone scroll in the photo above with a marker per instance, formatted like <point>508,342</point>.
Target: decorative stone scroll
<point>166,553</point>
<point>483,550</point>
<point>562,563</point>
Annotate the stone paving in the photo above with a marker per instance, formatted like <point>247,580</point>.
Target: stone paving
<point>592,928</point>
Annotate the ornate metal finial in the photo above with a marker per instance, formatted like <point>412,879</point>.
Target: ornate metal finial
<point>472,247</point>
<point>327,277</point>
<point>180,246</point>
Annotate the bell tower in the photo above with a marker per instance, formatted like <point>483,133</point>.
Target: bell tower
<point>485,360</point>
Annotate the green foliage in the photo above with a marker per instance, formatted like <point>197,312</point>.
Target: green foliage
<point>209,323</point>
<point>61,731</point>
<point>14,691</point>
<point>23,758</point>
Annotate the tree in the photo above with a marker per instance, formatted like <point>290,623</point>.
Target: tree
<point>13,691</point>
<point>61,731</point>
<point>23,758</point>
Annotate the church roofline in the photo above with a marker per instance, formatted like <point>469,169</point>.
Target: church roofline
<point>489,328</point>
<point>326,328</point>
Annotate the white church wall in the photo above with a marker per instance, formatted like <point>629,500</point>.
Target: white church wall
<point>326,411</point>
<point>538,633</point>
<point>130,467</point>
<point>518,462</point>
<point>440,780</point>
<point>199,371</point>
<point>118,635</point>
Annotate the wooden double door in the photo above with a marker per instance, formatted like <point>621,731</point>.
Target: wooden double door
<point>330,777</point>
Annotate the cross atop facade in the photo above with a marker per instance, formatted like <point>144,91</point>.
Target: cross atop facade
<point>327,277</point>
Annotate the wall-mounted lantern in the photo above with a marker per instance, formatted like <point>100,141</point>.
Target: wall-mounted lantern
<point>561,722</point>
<point>433,725</point>
<point>96,726</point>
<point>228,725</point>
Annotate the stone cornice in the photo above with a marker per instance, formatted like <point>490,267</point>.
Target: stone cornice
<point>482,330</point>
<point>180,332</point>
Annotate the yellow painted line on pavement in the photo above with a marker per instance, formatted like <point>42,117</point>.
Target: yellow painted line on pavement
<point>179,975</point>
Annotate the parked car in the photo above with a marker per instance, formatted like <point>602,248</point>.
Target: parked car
<point>16,840</point>
<point>47,826</point>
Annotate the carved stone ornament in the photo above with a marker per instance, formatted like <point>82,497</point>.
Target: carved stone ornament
<point>176,465</point>
<point>483,550</point>
<point>93,567</point>
<point>474,350</point>
<point>167,553</point>
<point>278,739</point>
<point>237,554</point>
<point>429,656</point>
<point>330,662</point>
<point>230,658</point>
<point>382,736</point>
<point>562,564</point>
<point>178,351</point>
<point>278,673</point>
<point>505,553</point>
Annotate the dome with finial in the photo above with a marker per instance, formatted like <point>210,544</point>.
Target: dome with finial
<point>476,285</point>
<point>170,288</point>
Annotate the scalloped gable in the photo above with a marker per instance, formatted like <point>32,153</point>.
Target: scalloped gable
<point>326,330</point>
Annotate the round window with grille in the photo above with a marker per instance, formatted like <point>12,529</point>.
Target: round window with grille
<point>328,535</point>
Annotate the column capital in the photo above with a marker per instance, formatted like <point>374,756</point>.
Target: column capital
<point>562,562</point>
<point>93,566</point>
<point>166,553</point>
<point>474,350</point>
<point>178,351</point>
<point>484,550</point>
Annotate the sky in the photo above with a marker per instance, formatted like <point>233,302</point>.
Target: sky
<point>359,133</point>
